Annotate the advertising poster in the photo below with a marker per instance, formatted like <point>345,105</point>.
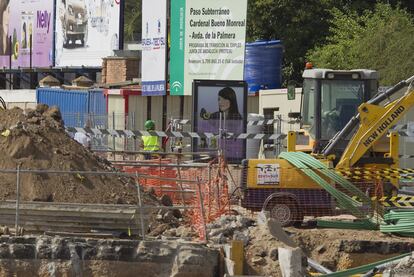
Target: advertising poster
<point>20,19</point>
<point>207,42</point>
<point>154,18</point>
<point>213,98</point>
<point>86,31</point>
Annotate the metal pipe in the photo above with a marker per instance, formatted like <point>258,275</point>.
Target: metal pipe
<point>203,217</point>
<point>318,267</point>
<point>386,94</point>
<point>140,209</point>
<point>113,127</point>
<point>140,163</point>
<point>134,128</point>
<point>224,141</point>
<point>180,180</point>
<point>158,153</point>
<point>11,202</point>
<point>10,63</point>
<point>177,190</point>
<point>16,224</point>
<point>95,173</point>
<point>209,174</point>
<point>220,135</point>
<point>406,192</point>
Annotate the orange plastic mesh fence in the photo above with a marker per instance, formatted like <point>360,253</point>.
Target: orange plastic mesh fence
<point>159,186</point>
<point>211,199</point>
<point>208,198</point>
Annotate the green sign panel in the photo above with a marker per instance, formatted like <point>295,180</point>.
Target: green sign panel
<point>207,42</point>
<point>177,47</point>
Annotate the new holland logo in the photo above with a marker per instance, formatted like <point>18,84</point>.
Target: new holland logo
<point>383,127</point>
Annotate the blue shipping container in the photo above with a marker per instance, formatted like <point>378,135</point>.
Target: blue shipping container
<point>97,108</point>
<point>263,65</point>
<point>76,106</point>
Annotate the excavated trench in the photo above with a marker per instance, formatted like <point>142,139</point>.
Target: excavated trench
<point>56,256</point>
<point>353,253</point>
<point>335,249</point>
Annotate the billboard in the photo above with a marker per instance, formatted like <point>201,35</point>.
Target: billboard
<point>20,19</point>
<point>154,19</point>
<point>86,31</point>
<point>207,41</point>
<point>220,104</point>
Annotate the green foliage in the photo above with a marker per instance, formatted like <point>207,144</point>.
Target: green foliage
<point>381,39</point>
<point>132,21</point>
<point>299,24</point>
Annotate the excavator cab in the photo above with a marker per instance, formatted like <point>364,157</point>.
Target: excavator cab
<point>330,99</point>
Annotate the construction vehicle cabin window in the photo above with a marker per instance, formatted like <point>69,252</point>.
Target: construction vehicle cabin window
<point>309,106</point>
<point>339,102</point>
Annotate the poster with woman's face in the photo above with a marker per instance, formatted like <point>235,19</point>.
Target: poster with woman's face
<point>220,104</point>
<point>26,33</point>
<point>4,31</point>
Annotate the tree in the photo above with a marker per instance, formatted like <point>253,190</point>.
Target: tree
<point>132,19</point>
<point>299,24</point>
<point>381,39</point>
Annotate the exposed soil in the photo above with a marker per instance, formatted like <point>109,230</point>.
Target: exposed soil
<point>333,248</point>
<point>36,140</point>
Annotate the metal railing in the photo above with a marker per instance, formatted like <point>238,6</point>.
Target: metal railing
<point>46,216</point>
<point>122,121</point>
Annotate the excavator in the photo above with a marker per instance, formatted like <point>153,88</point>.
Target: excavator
<point>346,123</point>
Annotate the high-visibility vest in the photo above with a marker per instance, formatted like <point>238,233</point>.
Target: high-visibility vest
<point>150,143</point>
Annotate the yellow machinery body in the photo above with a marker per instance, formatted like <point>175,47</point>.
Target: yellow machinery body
<point>265,179</point>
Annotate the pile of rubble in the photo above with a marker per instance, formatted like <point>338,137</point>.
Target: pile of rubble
<point>36,140</point>
<point>405,267</point>
<point>230,227</point>
<point>169,222</point>
<point>334,249</point>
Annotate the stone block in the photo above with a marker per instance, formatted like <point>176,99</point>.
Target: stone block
<point>22,251</point>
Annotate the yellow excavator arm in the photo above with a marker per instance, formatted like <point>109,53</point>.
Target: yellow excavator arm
<point>375,121</point>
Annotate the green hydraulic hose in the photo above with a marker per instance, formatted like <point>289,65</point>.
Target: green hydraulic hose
<point>399,222</point>
<point>339,179</point>
<point>361,225</point>
<point>309,172</point>
<point>399,214</point>
<point>345,201</point>
<point>303,161</point>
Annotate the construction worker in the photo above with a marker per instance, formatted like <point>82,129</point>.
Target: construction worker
<point>150,143</point>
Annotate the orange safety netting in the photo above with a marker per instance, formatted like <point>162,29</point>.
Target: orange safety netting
<point>209,197</point>
<point>159,186</point>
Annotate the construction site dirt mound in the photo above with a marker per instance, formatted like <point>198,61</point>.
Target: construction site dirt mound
<point>336,249</point>
<point>36,140</point>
